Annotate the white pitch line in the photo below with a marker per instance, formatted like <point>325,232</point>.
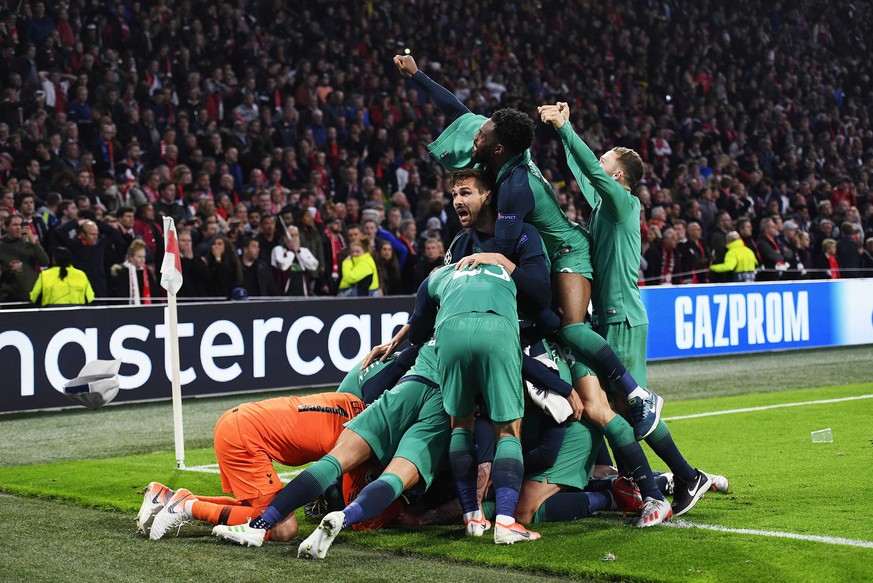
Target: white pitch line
<point>213,469</point>
<point>767,407</point>
<point>831,540</point>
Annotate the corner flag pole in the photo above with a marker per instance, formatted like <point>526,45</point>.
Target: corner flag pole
<point>171,280</point>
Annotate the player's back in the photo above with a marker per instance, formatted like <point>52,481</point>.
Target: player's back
<point>524,179</point>
<point>426,365</point>
<point>297,430</point>
<point>355,379</point>
<point>615,255</point>
<point>487,288</point>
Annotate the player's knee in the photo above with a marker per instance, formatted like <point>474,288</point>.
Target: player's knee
<point>597,412</point>
<point>511,429</point>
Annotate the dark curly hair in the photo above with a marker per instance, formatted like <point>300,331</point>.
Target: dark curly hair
<point>514,129</point>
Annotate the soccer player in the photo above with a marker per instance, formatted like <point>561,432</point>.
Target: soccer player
<point>290,430</point>
<point>471,196</point>
<point>501,145</point>
<point>406,429</point>
<point>474,316</point>
<point>473,201</point>
<point>248,438</point>
<point>619,315</point>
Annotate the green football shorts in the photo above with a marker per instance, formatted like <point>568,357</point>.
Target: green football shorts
<point>408,422</point>
<point>480,353</point>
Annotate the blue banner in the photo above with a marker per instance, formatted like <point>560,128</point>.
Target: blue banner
<point>705,320</point>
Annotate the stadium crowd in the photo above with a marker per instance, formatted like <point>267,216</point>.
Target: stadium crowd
<point>293,157</point>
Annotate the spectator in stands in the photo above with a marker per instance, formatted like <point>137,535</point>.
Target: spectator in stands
<point>434,252</point>
<point>7,200</point>
<point>717,239</point>
<point>849,251</point>
<point>408,232</point>
<point>22,257</point>
<point>389,272</point>
<point>89,241</point>
<point>739,261</point>
<point>294,266</point>
<point>664,262</point>
<point>30,220</point>
<point>746,230</point>
<point>804,255</point>
<point>168,205</point>
<point>788,240</point>
<point>151,232</point>
<point>695,254</point>
<point>257,275</point>
<point>375,233</point>
<point>773,259</point>
<point>195,273</point>
<point>359,274</point>
<point>224,266</point>
<point>826,263</point>
<point>333,242</point>
<point>310,238</point>
<point>205,235</point>
<point>268,235</point>
<point>133,279</point>
<point>433,230</point>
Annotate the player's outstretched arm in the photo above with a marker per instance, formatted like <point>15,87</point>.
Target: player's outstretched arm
<point>583,162</point>
<point>444,99</point>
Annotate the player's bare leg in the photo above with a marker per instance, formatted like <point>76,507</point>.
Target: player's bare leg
<point>572,295</point>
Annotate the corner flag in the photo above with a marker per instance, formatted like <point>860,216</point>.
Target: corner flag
<point>171,268</point>
<point>171,280</point>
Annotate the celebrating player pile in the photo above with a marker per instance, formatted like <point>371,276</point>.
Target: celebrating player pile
<point>465,368</point>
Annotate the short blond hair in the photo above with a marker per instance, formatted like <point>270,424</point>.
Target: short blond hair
<point>135,246</point>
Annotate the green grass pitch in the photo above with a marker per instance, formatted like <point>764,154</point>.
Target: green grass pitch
<point>796,511</point>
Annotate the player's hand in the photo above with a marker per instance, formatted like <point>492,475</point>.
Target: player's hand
<point>406,65</point>
<point>16,265</point>
<point>380,352</point>
<point>576,405</point>
<point>383,351</point>
<point>550,114</point>
<point>564,108</point>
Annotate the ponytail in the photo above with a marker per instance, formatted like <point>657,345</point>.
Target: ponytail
<point>63,257</point>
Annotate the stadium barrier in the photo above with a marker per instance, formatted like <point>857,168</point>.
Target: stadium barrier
<point>224,348</point>
<point>706,320</point>
<point>257,345</point>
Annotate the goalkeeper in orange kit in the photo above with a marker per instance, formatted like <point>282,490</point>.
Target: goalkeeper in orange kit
<point>289,430</point>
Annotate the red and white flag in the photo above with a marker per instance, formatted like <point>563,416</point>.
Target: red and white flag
<point>171,268</point>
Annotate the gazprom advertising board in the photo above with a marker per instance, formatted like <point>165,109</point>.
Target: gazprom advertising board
<point>735,318</point>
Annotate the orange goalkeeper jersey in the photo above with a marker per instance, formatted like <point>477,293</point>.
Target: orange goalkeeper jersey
<point>296,430</point>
